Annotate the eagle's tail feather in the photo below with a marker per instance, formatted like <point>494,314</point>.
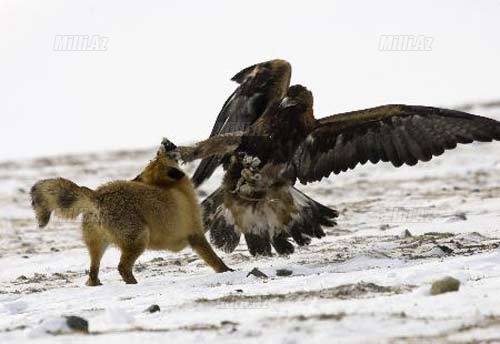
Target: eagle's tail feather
<point>306,224</point>
<point>222,233</point>
<point>312,216</point>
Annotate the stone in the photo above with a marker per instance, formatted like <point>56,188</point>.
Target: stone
<point>284,272</point>
<point>257,273</point>
<point>77,324</point>
<point>445,285</point>
<point>153,309</point>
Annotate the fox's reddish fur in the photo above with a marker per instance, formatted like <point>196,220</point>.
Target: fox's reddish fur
<point>158,210</point>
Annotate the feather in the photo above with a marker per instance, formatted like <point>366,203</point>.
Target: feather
<point>401,134</point>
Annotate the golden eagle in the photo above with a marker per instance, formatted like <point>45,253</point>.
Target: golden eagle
<point>266,137</point>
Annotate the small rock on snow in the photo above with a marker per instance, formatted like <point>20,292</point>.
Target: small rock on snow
<point>284,272</point>
<point>445,285</point>
<point>257,273</point>
<point>77,324</point>
<point>153,309</point>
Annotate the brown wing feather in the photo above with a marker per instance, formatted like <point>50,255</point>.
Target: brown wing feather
<point>247,103</point>
<point>400,134</point>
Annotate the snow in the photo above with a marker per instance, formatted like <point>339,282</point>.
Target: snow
<point>364,282</point>
<point>49,326</point>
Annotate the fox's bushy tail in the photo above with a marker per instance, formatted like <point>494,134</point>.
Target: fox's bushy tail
<point>62,196</point>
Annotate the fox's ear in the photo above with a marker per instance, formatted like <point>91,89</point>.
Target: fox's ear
<point>168,145</point>
<point>175,173</point>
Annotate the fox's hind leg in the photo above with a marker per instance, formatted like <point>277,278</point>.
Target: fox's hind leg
<point>131,250</point>
<point>201,246</point>
<point>96,245</point>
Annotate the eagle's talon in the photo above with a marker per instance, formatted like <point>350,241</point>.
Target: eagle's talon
<point>247,160</point>
<point>247,174</point>
<point>250,161</point>
<point>255,162</point>
<point>257,177</point>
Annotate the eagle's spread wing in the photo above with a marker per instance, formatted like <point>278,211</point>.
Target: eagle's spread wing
<point>401,134</point>
<point>247,103</point>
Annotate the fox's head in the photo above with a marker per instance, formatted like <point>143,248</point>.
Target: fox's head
<point>162,171</point>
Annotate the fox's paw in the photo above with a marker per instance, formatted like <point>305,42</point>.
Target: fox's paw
<point>93,282</point>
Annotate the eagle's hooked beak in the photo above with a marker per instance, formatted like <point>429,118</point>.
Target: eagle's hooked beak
<point>288,102</point>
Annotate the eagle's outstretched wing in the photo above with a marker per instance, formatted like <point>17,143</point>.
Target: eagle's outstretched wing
<point>401,134</point>
<point>260,86</point>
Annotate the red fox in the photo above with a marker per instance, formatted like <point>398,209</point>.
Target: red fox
<point>158,210</point>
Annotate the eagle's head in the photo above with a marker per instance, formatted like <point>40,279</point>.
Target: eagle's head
<point>299,98</point>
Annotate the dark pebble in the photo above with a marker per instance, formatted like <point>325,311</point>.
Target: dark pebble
<point>77,324</point>
<point>284,272</point>
<point>257,273</point>
<point>153,309</point>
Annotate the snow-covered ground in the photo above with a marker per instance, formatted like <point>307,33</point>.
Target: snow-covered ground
<point>364,282</point>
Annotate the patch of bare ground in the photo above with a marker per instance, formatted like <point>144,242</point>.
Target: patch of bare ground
<point>343,292</point>
<point>425,246</point>
<point>461,334</point>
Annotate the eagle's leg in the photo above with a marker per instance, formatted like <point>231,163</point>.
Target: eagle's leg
<point>282,245</point>
<point>258,245</point>
<point>249,186</point>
